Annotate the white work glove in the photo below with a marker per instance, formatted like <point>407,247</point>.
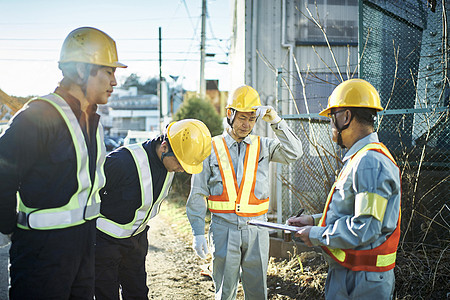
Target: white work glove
<point>5,239</point>
<point>200,246</point>
<point>268,114</point>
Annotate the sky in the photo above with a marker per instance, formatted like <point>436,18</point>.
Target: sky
<point>32,33</point>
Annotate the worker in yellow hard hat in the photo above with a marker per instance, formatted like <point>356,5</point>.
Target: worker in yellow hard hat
<point>354,95</point>
<point>52,157</point>
<point>359,228</point>
<point>235,181</point>
<point>138,178</point>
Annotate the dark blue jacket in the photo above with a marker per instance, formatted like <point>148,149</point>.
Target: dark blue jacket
<point>121,195</point>
<point>37,158</point>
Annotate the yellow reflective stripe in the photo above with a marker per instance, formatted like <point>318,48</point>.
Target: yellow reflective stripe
<point>344,173</point>
<point>339,254</point>
<point>321,221</point>
<point>80,206</point>
<point>386,260</point>
<point>255,208</point>
<point>251,162</point>
<point>227,169</point>
<point>370,204</point>
<point>221,205</point>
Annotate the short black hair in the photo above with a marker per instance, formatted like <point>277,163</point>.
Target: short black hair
<point>364,115</point>
<point>69,69</point>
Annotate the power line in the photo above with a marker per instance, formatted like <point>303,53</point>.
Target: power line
<point>106,22</point>
<point>214,38</point>
<point>118,39</point>
<point>131,59</point>
<point>194,34</point>
<point>57,50</point>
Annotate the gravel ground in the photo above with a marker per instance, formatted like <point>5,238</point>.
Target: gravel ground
<point>173,269</point>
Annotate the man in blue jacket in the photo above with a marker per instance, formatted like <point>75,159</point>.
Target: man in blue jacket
<point>51,157</point>
<point>359,228</point>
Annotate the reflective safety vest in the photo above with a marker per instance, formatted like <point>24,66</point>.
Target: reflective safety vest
<point>84,204</point>
<point>147,210</point>
<point>379,259</point>
<point>241,201</point>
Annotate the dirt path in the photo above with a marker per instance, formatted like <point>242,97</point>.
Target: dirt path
<point>173,269</point>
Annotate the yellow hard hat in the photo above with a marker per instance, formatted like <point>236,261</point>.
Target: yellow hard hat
<point>353,93</point>
<point>244,98</point>
<point>190,140</point>
<point>92,46</point>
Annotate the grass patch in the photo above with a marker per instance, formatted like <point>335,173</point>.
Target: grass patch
<point>174,210</point>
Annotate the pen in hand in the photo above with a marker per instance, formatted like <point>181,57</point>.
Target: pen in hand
<point>300,212</point>
<point>287,233</point>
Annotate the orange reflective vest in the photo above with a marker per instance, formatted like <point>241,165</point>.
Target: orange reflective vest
<point>241,201</point>
<point>379,259</point>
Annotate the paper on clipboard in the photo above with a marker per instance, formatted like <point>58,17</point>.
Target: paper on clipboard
<point>273,225</point>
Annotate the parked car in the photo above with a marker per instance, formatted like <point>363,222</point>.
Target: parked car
<point>111,144</point>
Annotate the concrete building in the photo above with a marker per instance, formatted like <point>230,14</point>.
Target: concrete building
<point>278,48</point>
<point>270,35</point>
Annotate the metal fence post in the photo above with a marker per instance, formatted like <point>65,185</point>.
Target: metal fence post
<point>279,185</point>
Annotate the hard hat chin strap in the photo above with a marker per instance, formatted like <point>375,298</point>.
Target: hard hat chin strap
<point>340,142</point>
<point>231,113</point>
<point>168,153</point>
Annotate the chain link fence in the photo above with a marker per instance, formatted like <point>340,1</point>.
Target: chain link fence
<point>404,50</point>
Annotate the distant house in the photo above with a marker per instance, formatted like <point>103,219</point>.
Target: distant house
<point>126,110</point>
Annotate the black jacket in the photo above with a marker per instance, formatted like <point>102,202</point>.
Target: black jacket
<point>121,195</point>
<point>37,158</point>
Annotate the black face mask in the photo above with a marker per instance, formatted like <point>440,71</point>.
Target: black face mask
<point>333,119</point>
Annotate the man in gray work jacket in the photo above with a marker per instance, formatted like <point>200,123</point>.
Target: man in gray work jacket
<point>359,228</point>
<point>235,182</point>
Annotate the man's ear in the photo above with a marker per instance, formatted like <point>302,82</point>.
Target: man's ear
<point>348,116</point>
<point>229,113</point>
<point>81,71</point>
<point>164,147</point>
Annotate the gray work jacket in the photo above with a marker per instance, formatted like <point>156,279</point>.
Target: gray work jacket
<point>285,149</point>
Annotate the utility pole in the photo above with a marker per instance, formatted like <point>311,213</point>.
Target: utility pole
<point>160,82</point>
<point>202,52</point>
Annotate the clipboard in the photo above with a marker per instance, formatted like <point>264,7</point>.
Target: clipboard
<point>273,225</point>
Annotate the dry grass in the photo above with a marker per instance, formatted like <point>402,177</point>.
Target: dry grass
<point>299,277</point>
<point>420,274</point>
<point>423,274</point>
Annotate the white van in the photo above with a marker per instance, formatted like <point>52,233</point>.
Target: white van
<point>3,127</point>
<point>136,136</point>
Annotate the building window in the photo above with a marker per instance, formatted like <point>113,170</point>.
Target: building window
<point>334,2</point>
<point>339,18</point>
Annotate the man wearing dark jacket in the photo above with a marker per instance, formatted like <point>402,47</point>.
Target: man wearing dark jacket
<point>138,179</point>
<point>51,156</point>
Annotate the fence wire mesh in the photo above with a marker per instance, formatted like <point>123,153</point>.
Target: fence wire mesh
<point>405,56</point>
